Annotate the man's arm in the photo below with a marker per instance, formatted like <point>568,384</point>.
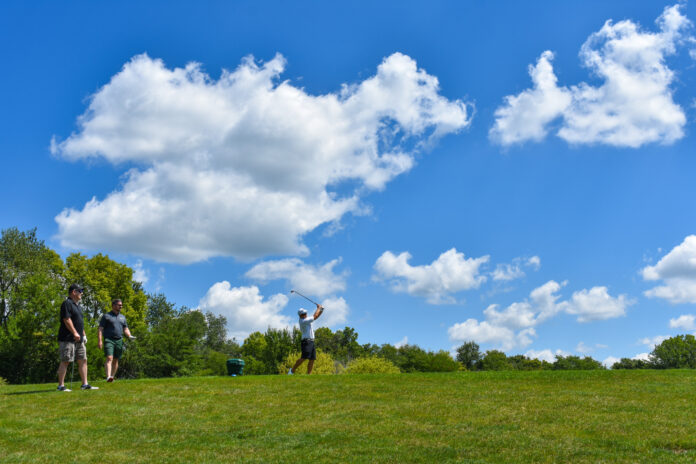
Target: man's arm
<point>71,328</point>
<point>127,332</point>
<point>99,334</point>
<point>317,313</point>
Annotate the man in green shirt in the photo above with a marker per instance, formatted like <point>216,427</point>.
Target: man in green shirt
<point>112,327</point>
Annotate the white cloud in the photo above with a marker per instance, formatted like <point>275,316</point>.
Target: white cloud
<point>451,272</point>
<point>685,321</point>
<point>610,361</point>
<point>545,355</point>
<point>582,348</point>
<point>514,326</point>
<point>402,342</point>
<point>527,115</point>
<point>244,166</point>
<point>485,332</point>
<point>678,271</point>
<point>597,304</point>
<point>642,356</point>
<point>245,309</point>
<point>652,342</point>
<point>633,106</point>
<point>140,274</point>
<point>306,278</point>
<point>335,313</point>
<point>514,270</point>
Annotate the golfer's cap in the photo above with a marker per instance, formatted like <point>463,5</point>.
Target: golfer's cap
<point>302,311</point>
<point>75,287</point>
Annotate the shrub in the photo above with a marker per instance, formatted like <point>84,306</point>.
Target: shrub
<point>324,364</point>
<point>371,365</point>
<point>2,382</point>
<point>628,363</point>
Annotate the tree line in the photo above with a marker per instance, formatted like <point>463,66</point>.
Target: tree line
<point>177,341</point>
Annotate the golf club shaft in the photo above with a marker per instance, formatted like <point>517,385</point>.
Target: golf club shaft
<point>311,301</point>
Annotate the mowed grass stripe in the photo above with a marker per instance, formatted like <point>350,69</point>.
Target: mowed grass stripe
<point>487,417</point>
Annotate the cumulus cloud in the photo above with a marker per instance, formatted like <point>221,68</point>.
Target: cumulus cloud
<point>515,269</point>
<point>402,342</point>
<point>677,269</point>
<point>514,325</point>
<point>306,278</point>
<point>485,332</point>
<point>610,361</point>
<point>596,304</point>
<point>652,342</point>
<point>245,309</point>
<point>450,273</point>
<point>335,313</point>
<point>632,107</point>
<point>244,166</point>
<point>545,355</point>
<point>685,321</point>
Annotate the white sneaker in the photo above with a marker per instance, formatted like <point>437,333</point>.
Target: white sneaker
<point>110,379</point>
<point>290,371</point>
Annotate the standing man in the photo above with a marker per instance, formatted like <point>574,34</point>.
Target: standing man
<point>112,326</point>
<point>72,338</point>
<point>308,350</point>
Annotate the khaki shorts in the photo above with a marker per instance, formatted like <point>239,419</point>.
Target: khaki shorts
<point>70,351</point>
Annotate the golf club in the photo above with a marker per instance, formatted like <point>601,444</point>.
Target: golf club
<point>311,301</point>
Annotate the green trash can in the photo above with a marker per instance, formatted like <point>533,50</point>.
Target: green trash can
<point>235,367</point>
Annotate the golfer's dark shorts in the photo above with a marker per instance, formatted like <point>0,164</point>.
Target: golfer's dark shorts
<point>113,347</point>
<point>308,351</point>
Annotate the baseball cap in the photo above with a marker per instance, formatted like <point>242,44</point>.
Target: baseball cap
<point>75,287</point>
<point>302,311</point>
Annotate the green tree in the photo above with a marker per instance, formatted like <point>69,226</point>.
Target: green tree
<point>468,354</point>
<point>494,360</point>
<point>675,353</point>
<point>441,361</point>
<point>104,280</point>
<point>567,363</point>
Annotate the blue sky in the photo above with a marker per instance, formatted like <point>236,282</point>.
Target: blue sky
<point>518,174</point>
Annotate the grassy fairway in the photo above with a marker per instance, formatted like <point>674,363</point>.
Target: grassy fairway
<point>473,417</point>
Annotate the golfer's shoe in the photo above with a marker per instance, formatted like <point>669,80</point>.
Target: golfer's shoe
<point>63,388</point>
<point>290,371</point>
<point>110,379</point>
<point>88,387</point>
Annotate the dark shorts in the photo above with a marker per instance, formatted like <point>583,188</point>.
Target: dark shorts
<point>113,347</point>
<point>308,351</point>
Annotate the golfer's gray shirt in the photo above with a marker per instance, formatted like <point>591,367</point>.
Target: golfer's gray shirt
<point>113,325</point>
<point>306,327</point>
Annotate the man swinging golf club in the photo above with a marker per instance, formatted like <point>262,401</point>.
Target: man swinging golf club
<point>308,350</point>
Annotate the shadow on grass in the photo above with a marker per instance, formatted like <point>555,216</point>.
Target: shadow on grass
<point>32,392</point>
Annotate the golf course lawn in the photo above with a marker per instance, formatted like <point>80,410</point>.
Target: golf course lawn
<point>641,416</point>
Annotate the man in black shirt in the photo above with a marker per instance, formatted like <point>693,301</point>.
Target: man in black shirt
<point>72,338</point>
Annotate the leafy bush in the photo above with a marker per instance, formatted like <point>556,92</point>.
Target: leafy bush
<point>628,363</point>
<point>371,365</point>
<point>2,382</point>
<point>324,364</point>
<point>494,360</point>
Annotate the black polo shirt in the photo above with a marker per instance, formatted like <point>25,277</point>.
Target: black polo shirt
<point>70,310</point>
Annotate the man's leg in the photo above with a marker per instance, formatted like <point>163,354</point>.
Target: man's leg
<point>114,367</point>
<point>62,369</point>
<point>297,364</point>
<point>310,365</point>
<point>82,368</point>
<point>107,366</point>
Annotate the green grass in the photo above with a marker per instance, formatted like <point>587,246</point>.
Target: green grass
<point>470,417</point>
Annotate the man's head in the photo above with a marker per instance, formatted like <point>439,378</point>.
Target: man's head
<point>75,292</point>
<point>116,305</point>
<point>302,313</point>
